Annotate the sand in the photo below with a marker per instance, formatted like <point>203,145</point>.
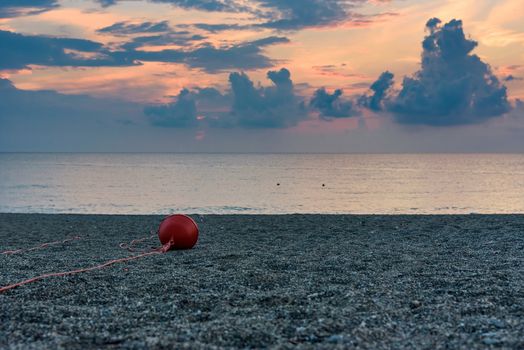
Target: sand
<point>307,281</point>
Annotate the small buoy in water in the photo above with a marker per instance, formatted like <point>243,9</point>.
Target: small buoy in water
<point>178,232</point>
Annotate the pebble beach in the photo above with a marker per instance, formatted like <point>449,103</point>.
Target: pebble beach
<point>266,281</point>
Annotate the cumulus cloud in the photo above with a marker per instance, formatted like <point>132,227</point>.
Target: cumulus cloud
<point>245,105</point>
<point>275,106</point>
<point>453,85</point>
<point>15,8</point>
<point>331,105</point>
<point>379,89</point>
<point>180,114</point>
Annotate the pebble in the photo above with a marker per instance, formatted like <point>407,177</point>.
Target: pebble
<point>335,338</point>
<point>415,304</point>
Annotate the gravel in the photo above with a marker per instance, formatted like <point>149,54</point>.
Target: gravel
<point>306,281</point>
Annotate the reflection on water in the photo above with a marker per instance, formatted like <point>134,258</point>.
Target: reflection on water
<point>247,183</point>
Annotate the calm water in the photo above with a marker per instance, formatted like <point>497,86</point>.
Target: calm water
<point>247,183</point>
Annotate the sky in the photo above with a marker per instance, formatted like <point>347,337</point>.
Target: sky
<point>262,76</point>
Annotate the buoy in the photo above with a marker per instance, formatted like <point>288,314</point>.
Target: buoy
<point>178,232</point>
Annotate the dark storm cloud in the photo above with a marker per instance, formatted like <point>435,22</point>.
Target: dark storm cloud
<point>180,114</point>
<point>15,8</point>
<point>276,106</point>
<point>380,87</point>
<point>452,87</point>
<point>332,105</point>
<point>126,28</point>
<point>19,51</point>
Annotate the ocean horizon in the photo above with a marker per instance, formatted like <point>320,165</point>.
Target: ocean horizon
<point>261,183</point>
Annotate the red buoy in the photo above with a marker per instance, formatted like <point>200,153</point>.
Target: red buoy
<point>178,232</point>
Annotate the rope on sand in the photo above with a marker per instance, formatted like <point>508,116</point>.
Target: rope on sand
<point>159,250</point>
<point>74,272</point>
<point>131,245</point>
<point>41,246</point>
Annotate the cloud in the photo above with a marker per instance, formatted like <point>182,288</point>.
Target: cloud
<point>126,28</point>
<point>49,108</point>
<point>331,105</point>
<point>173,38</point>
<point>19,51</point>
<point>192,108</point>
<point>213,59</point>
<point>204,5</point>
<point>453,86</point>
<point>16,8</point>
<point>332,70</point>
<point>215,28</point>
<point>243,56</point>
<point>275,106</point>
<point>276,14</point>
<point>511,77</point>
<point>212,104</point>
<point>379,88</point>
<point>295,15</point>
<point>180,114</point>
<point>107,3</point>
<point>244,106</point>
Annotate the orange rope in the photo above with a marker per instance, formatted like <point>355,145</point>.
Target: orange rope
<point>41,246</point>
<point>166,247</point>
<point>130,246</point>
<point>73,272</point>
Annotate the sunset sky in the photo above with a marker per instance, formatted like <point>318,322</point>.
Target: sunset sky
<point>262,75</point>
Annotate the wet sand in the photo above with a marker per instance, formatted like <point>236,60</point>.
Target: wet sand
<point>310,281</point>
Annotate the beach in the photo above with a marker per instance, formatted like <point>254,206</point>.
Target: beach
<point>268,281</point>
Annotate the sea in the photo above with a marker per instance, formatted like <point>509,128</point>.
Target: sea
<point>144,183</point>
